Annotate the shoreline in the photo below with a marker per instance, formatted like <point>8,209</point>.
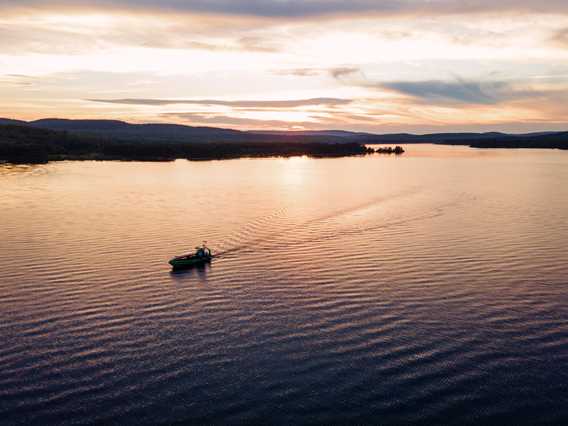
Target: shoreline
<point>28,145</point>
<point>217,153</point>
<point>96,158</point>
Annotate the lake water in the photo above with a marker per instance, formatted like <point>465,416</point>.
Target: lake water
<point>427,288</point>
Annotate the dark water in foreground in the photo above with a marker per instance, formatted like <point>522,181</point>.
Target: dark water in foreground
<point>431,288</point>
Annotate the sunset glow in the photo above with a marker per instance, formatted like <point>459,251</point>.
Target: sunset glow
<point>384,67</point>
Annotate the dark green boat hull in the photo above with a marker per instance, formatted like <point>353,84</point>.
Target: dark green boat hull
<point>188,263</point>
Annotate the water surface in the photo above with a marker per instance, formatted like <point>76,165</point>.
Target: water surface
<point>427,288</point>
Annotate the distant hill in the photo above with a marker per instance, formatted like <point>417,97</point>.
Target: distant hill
<point>79,125</point>
<point>120,131</point>
<point>156,132</point>
<point>477,140</point>
<point>332,133</point>
<point>445,138</point>
<point>543,141</point>
<point>141,132</point>
<point>8,121</point>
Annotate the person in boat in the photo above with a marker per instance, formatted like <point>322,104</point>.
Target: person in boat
<point>203,252</point>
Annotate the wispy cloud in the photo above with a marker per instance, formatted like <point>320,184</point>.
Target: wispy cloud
<point>227,121</point>
<point>335,72</point>
<point>560,38</point>
<point>300,72</point>
<point>18,80</point>
<point>343,71</point>
<point>450,91</point>
<point>249,44</point>
<point>67,37</point>
<point>467,92</point>
<point>271,104</point>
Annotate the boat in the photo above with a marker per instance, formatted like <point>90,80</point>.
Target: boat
<point>201,256</point>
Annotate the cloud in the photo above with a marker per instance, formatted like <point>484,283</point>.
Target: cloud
<point>258,44</point>
<point>224,120</point>
<point>454,91</point>
<point>300,72</point>
<point>560,38</point>
<point>249,44</point>
<point>313,122</point>
<point>467,92</point>
<point>18,39</point>
<point>246,43</point>
<point>343,71</point>
<point>68,37</point>
<point>271,104</point>
<point>336,72</point>
<point>17,80</point>
<point>307,8</point>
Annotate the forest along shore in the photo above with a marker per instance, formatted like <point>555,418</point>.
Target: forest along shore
<point>29,145</point>
<point>58,139</point>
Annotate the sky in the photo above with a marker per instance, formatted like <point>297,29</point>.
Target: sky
<point>387,66</point>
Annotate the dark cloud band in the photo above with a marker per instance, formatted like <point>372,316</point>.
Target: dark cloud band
<point>305,8</point>
<point>469,92</point>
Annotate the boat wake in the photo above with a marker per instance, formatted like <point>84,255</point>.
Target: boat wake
<point>278,228</point>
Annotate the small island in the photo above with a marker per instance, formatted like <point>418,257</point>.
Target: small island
<point>397,150</point>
